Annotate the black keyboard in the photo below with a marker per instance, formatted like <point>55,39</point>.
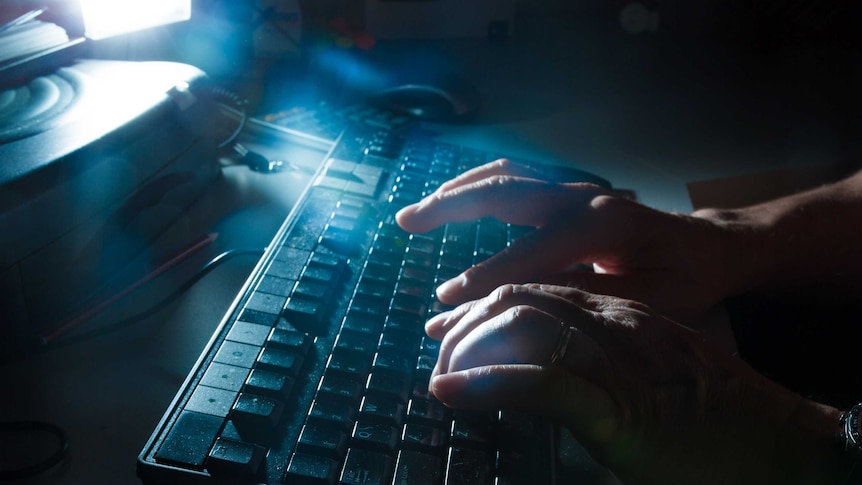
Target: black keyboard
<point>327,121</point>
<point>319,372</point>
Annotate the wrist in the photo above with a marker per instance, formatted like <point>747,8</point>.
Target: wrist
<point>744,250</point>
<point>809,447</point>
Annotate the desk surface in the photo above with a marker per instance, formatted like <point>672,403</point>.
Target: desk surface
<point>648,114</point>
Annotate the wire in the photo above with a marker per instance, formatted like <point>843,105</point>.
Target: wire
<point>171,262</point>
<point>235,103</point>
<point>48,462</point>
<point>158,306</point>
<point>62,448</point>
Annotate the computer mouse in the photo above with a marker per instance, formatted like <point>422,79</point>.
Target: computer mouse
<point>452,101</point>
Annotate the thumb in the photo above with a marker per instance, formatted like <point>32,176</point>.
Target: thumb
<point>565,398</point>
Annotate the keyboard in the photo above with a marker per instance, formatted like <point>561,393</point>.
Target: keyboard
<point>327,121</point>
<point>318,373</point>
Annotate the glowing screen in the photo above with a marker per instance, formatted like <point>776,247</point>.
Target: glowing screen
<point>105,18</point>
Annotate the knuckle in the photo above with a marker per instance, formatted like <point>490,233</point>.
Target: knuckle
<point>519,314</point>
<point>505,292</point>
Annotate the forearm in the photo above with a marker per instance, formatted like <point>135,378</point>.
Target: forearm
<point>807,241</point>
<point>807,450</point>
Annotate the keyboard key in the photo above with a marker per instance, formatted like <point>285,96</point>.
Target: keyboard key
<point>268,383</point>
<point>413,274</point>
<point>256,416</point>
<point>236,459</point>
<point>324,438</point>
<point>370,307</point>
<point>524,448</point>
<point>430,412</point>
<point>276,286</point>
<point>425,365</point>
<point>468,467</point>
<point>223,376</point>
<point>340,386</point>
<point>375,436</point>
<point>248,333</point>
<point>339,412</point>
<point>360,322</point>
<point>331,262</point>
<point>263,318</point>
<point>362,343</point>
<point>423,438</point>
<point>235,353</point>
<point>311,470</point>
<point>290,339</point>
<point>407,321</point>
<point>473,433</point>
<point>209,400</point>
<point>429,346</point>
<point>312,290</point>
<point>382,271</point>
<point>415,468</point>
<point>265,302</point>
<point>391,361</point>
<point>363,467</point>
<point>374,289</point>
<point>322,274</point>
<point>399,341</point>
<point>280,360</point>
<point>349,362</point>
<point>305,314</point>
<point>395,386</point>
<point>382,409</point>
<point>341,242</point>
<point>190,439</point>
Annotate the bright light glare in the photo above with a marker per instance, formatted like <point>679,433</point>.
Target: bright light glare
<point>105,18</point>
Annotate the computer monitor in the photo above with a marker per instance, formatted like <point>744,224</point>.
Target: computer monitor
<point>106,18</point>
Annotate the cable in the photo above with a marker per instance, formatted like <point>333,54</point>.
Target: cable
<point>62,448</point>
<point>236,104</point>
<point>158,306</point>
<point>48,462</point>
<point>181,256</point>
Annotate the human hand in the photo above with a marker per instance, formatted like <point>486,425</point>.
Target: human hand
<point>653,401</point>
<point>680,265</point>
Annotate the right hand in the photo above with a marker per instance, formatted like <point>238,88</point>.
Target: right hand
<point>681,265</point>
<point>653,401</point>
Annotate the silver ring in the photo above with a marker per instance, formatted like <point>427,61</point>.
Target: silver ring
<point>562,347</point>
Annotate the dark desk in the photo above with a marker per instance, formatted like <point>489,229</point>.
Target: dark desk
<point>648,114</point>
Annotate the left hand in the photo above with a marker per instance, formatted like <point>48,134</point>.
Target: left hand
<point>650,399</point>
<point>680,265</point>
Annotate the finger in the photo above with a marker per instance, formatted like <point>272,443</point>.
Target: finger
<point>520,201</point>
<point>498,167</point>
<point>562,396</point>
<point>535,307</point>
<point>458,323</point>
<point>525,335</point>
<point>439,325</point>
<point>544,251</point>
